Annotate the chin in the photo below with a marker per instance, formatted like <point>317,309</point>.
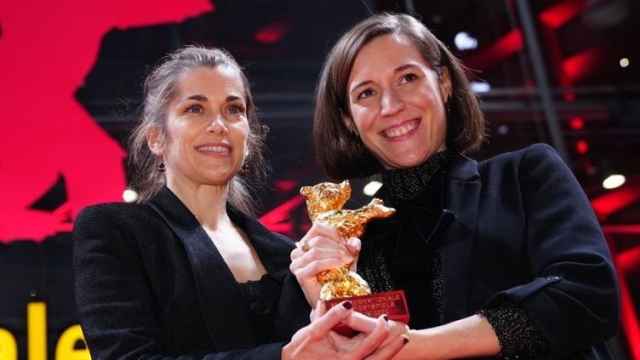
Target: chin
<point>409,162</point>
<point>218,179</point>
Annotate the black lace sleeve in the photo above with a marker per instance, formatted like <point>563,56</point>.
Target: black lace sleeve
<point>518,336</point>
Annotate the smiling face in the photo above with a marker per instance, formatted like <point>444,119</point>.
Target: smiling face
<point>396,101</point>
<point>206,128</point>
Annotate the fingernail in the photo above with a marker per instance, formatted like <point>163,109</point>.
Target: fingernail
<point>405,339</point>
<point>385,317</point>
<point>347,305</point>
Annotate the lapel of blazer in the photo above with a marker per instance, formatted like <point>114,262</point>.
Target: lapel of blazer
<point>219,296</point>
<point>273,252</point>
<point>462,198</point>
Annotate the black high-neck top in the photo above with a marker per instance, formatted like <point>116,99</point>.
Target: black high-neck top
<point>397,253</point>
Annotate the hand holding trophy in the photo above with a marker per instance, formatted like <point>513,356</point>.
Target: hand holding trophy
<point>324,204</point>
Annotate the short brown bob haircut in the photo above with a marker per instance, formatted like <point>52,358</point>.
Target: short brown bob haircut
<point>339,150</point>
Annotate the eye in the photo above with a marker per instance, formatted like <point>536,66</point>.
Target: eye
<point>365,94</point>
<point>408,77</point>
<point>194,109</point>
<point>236,109</point>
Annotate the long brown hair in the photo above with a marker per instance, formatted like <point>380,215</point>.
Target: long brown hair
<point>339,150</point>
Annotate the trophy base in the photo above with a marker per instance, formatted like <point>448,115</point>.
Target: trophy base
<point>391,303</point>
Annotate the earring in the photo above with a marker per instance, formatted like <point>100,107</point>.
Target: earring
<point>161,167</point>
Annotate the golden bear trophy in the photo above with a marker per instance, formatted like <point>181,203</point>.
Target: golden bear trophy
<point>324,204</point>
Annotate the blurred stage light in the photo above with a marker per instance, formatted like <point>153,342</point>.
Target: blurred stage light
<point>613,181</point>
<point>624,62</point>
<point>576,123</point>
<point>464,41</point>
<point>503,129</point>
<point>582,147</point>
<point>372,187</point>
<point>272,33</point>
<point>129,195</point>
<point>479,87</point>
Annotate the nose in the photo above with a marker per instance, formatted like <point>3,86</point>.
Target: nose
<point>217,125</point>
<point>390,103</point>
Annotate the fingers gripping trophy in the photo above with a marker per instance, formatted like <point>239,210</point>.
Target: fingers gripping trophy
<point>324,204</point>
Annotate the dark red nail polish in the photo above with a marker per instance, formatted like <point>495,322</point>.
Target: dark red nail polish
<point>347,305</point>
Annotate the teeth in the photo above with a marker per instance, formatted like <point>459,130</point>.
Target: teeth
<point>214,149</point>
<point>401,130</point>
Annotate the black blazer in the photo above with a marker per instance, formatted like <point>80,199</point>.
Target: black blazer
<point>518,227</point>
<point>150,284</point>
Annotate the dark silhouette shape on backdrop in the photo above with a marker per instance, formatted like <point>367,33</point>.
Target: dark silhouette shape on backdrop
<point>47,49</point>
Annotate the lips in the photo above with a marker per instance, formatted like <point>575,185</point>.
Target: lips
<point>214,149</point>
<point>401,130</point>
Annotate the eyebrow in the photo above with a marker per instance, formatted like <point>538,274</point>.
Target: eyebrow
<point>396,70</point>
<point>197,97</point>
<point>231,98</point>
<point>202,98</point>
<point>404,67</point>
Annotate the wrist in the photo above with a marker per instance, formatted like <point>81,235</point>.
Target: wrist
<point>468,337</point>
<point>423,344</point>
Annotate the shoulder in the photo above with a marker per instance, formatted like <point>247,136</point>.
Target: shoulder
<point>537,169</point>
<point>114,216</point>
<point>112,211</point>
<point>531,153</point>
<point>532,165</point>
<point>534,158</point>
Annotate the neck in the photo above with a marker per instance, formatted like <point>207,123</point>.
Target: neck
<point>206,202</point>
<point>406,184</point>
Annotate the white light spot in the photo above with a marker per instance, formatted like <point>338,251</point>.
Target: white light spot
<point>503,129</point>
<point>371,188</point>
<point>480,87</point>
<point>129,195</point>
<point>464,41</point>
<point>613,181</point>
<point>625,62</point>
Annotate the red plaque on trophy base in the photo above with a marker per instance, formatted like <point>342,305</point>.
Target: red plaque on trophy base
<point>391,303</point>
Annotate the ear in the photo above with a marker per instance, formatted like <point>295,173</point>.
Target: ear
<point>446,88</point>
<point>155,141</point>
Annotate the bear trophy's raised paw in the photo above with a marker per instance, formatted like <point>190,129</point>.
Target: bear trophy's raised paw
<point>324,204</point>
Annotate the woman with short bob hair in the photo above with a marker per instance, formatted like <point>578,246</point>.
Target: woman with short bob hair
<point>339,150</point>
<point>188,272</point>
<point>500,258</point>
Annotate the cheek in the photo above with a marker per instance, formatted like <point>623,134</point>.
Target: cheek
<point>361,118</point>
<point>181,143</point>
<point>241,135</point>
